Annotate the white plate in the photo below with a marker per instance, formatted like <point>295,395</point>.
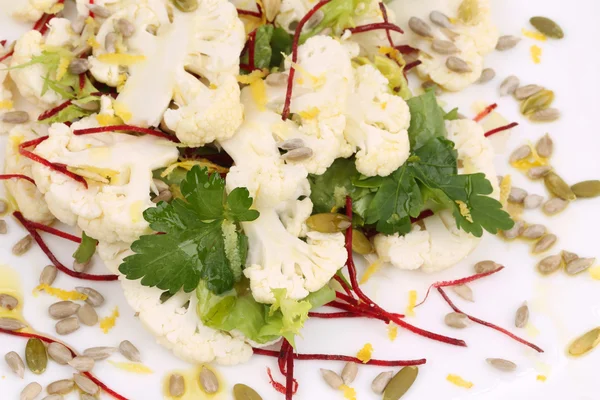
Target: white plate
<point>562,307</point>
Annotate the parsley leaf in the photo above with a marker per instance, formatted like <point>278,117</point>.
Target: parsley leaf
<point>86,249</point>
<point>426,120</point>
<point>200,239</point>
<point>269,44</point>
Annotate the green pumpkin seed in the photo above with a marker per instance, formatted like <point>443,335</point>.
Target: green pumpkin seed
<point>587,189</point>
<point>360,243</point>
<point>400,383</point>
<point>243,392</point>
<point>186,5</point>
<point>547,27</point>
<point>585,343</point>
<point>328,222</point>
<point>538,102</point>
<point>558,187</point>
<point>36,356</point>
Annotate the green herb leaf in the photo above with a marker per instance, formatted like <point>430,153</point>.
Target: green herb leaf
<point>426,120</point>
<point>451,115</point>
<point>338,15</point>
<point>200,240</point>
<point>269,44</point>
<point>281,43</point>
<point>86,249</point>
<point>68,114</point>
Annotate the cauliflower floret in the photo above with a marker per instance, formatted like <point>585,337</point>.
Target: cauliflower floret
<point>119,170</point>
<point>368,12</point>
<point>32,10</point>
<point>206,42</point>
<point>29,200</point>
<point>294,214</point>
<point>6,96</point>
<point>377,124</point>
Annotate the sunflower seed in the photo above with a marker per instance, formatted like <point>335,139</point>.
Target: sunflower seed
<point>36,357</point>
<point>48,275</point>
<point>547,27</point>
<point>534,231</point>
<point>87,315</point>
<point>125,27</point>
<point>99,11</point>
<point>432,85</point>
<point>539,172</point>
<point>94,298</point>
<point>456,320</point>
<point>554,206</point>
<point>110,42</point>
<point>400,383</point>
<point>509,85</point>
<point>99,353</point>
<point>381,381</point>
<point>31,391</point>
<point>63,309</point>
<point>585,343</point>
<point>545,146</point>
<point>440,19</point>
<point>62,386</point>
<point>522,316</point>
<point>449,33</point>
<point>130,352</point>
<point>349,373</point>
<point>517,195</point>
<point>7,301</point>
<point>59,353</point>
<point>3,228</point>
<point>243,392</point>
<point>527,91</point>
<point>533,201</point>
<point>81,267</point>
<point>15,117</point>
<point>22,246</point>
<point>299,154</point>
<point>501,364</point>
<point>547,115</point>
<point>550,264</point>
<point>82,363</point>
<point>486,75</point>
<point>567,256</point>
<point>66,326</point>
<point>579,265</point>
<point>458,65</point>
<point>279,79</point>
<point>57,397</point>
<point>11,324</point>
<point>86,384</point>
<point>208,381</point>
<point>587,189</point>
<point>507,42</point>
<point>331,378</point>
<point>463,291</point>
<point>315,19</point>
<point>85,396</point>
<point>545,243</point>
<point>557,186</point>
<point>515,231</point>
<point>79,66</point>
<point>291,144</point>
<point>486,266</point>
<point>160,185</point>
<point>176,385</point>
<point>15,362</point>
<point>444,47</point>
<point>3,206</point>
<point>520,153</point>
<point>420,27</point>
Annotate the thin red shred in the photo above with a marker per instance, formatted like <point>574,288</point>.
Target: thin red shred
<point>250,13</point>
<point>126,128</point>
<point>2,42</point>
<point>385,19</point>
<point>335,315</point>
<point>81,81</point>
<point>460,281</point>
<point>47,339</point>
<point>406,49</point>
<point>53,231</point>
<point>281,388</point>
<point>488,324</point>
<point>376,26</point>
<point>486,111</point>
<point>4,177</point>
<point>335,357</point>
<point>291,385</point>
<point>411,65</point>
<point>36,236</point>
<point>251,49</point>
<point>283,354</point>
<point>91,13</point>
<point>53,111</point>
<point>424,214</point>
<point>4,57</point>
<point>347,289</point>
<point>500,129</point>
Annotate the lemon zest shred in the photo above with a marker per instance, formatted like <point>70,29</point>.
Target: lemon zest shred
<point>371,269</point>
<point>259,94</point>
<point>122,111</point>
<point>121,59</point>
<point>505,186</point>
<point>106,120</point>
<point>122,78</point>
<point>392,331</point>
<point>534,160</point>
<point>349,393</point>
<point>107,323</point>
<point>317,81</point>
<point>59,293</point>
<point>62,68</point>
<point>103,175</point>
<point>464,210</point>
<point>6,104</point>
<point>595,273</point>
<point>364,354</point>
<point>536,54</point>
<point>136,368</point>
<point>412,301</point>
<point>311,113</point>
<point>93,43</point>
<point>534,35</point>
<point>458,381</point>
<point>541,378</point>
<point>253,76</point>
<point>55,9</point>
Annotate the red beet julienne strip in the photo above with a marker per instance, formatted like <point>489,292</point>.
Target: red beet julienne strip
<point>290,82</point>
<point>500,129</point>
<point>486,111</point>
<point>335,315</point>
<point>412,65</point>
<point>4,57</point>
<point>488,324</point>
<point>251,49</point>
<point>249,13</point>
<point>406,49</point>
<point>422,216</point>
<point>289,376</point>
<point>375,26</point>
<point>16,176</point>
<point>385,19</point>
<point>460,281</point>
<point>344,285</point>
<point>53,231</point>
<point>335,357</point>
<point>53,111</point>
<point>126,128</point>
<point>362,296</point>
<point>36,236</point>
<point>283,354</point>
<point>47,339</point>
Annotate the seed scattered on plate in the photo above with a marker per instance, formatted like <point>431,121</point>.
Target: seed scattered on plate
<point>522,316</point>
<point>534,231</point>
<point>533,201</point>
<point>546,115</point>
<point>130,352</point>
<point>381,381</point>
<point>328,222</point>
<point>22,246</point>
<point>62,386</point>
<point>486,75</point>
<point>547,27</point>
<point>525,92</point>
<point>291,144</point>
<point>67,325</point>
<point>557,186</point>
<point>15,362</point>
<point>59,353</point>
<point>544,243</point>
<point>463,291</point>
<point>509,85</point>
<point>208,381</point>
<point>31,391</point>
<point>458,65</point>
<point>517,195</point>
<point>349,372</point>
<point>63,309</point>
<point>567,256</point>
<point>3,206</point>
<point>507,42</point>
<point>440,19</point>
<point>36,356</point>
<point>420,27</point>
<point>520,153</point>
<point>554,206</point>
<point>486,266</point>
<point>400,383</point>
<point>545,146</point>
<point>331,378</point>
<point>60,397</point>
<point>550,264</point>
<point>79,66</point>
<point>94,298</point>
<point>579,265</point>
<point>87,315</point>
<point>82,363</point>
<point>176,385</point>
<point>444,46</point>
<point>456,320</point>
<point>587,189</point>
<point>11,324</point>
<point>502,364</point>
<point>244,392</point>
<point>585,342</point>
<point>538,102</point>
<point>125,27</point>
<point>15,117</point>
<point>515,231</point>
<point>85,384</point>
<point>165,195</point>
<point>99,10</point>
<point>48,275</point>
<point>100,353</point>
<point>3,227</point>
<point>299,154</point>
<point>7,301</point>
<point>539,172</point>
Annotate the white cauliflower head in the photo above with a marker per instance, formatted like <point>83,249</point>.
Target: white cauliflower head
<point>119,171</point>
<point>377,123</point>
<point>32,10</point>
<point>6,95</point>
<point>161,68</point>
